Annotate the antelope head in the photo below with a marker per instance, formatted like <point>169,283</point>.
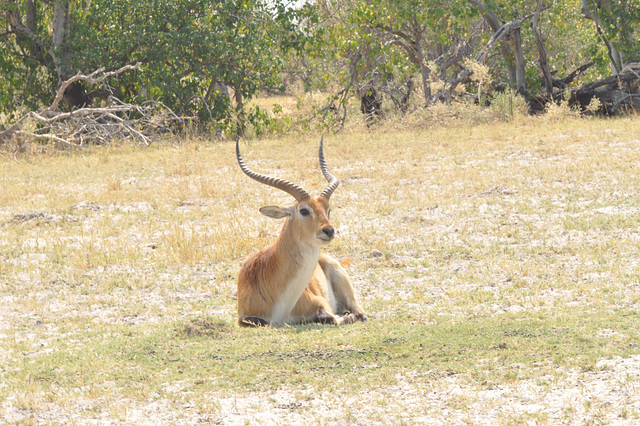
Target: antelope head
<point>308,217</point>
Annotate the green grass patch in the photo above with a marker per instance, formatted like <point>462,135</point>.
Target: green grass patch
<point>207,354</point>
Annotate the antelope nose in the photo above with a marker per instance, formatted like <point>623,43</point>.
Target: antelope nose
<point>329,231</point>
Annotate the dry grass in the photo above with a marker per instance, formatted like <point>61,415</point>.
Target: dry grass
<point>498,264</point>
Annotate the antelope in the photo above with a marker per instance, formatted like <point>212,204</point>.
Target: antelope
<point>291,282</point>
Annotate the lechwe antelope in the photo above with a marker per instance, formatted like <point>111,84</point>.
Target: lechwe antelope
<point>291,282</point>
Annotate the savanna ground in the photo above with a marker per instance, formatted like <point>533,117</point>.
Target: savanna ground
<point>499,265</point>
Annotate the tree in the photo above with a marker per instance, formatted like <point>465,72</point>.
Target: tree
<point>381,42</point>
<point>617,24</point>
<point>191,50</point>
<point>29,56</point>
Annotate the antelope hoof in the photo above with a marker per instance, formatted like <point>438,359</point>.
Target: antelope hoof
<point>360,316</point>
<point>347,319</point>
<point>324,317</point>
<point>254,322</point>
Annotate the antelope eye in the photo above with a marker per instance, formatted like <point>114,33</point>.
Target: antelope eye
<point>304,212</point>
<point>328,212</point>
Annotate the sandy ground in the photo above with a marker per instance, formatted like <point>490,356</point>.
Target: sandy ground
<point>610,395</point>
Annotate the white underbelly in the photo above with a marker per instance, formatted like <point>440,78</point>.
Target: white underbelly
<point>331,298</point>
<point>283,308</point>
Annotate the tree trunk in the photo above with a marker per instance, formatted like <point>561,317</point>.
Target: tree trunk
<point>542,51</point>
<point>592,15</point>
<point>612,92</point>
<point>426,82</point>
<point>58,50</point>
<point>521,81</point>
<point>506,31</point>
<point>223,90</point>
<point>493,21</point>
<point>25,35</point>
<point>32,16</point>
<point>410,42</point>
<point>425,71</point>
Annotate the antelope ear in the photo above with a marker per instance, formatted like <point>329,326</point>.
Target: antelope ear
<point>275,212</point>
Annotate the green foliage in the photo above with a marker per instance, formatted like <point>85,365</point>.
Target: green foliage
<point>187,48</point>
<point>509,105</point>
<point>572,40</point>
<point>265,123</point>
<point>387,39</point>
<point>371,40</point>
<point>620,25</point>
<point>209,57</point>
<point>25,72</point>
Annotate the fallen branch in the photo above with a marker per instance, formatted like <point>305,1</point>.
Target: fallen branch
<point>91,79</point>
<point>503,32</point>
<point>47,137</point>
<point>572,76</point>
<point>612,92</point>
<point>115,121</point>
<point>628,99</point>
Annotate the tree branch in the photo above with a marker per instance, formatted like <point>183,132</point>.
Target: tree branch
<point>568,79</point>
<point>116,121</point>
<point>91,79</point>
<point>481,57</point>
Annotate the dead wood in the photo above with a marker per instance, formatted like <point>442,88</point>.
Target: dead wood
<point>117,120</point>
<point>504,32</point>
<point>615,93</point>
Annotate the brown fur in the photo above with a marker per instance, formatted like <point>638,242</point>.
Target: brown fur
<point>273,285</point>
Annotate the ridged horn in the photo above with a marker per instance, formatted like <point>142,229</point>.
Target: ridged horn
<point>333,181</point>
<point>290,188</point>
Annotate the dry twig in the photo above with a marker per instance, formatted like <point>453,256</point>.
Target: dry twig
<point>101,124</point>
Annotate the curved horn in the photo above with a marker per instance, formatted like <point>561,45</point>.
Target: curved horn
<point>333,181</point>
<point>290,188</point>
